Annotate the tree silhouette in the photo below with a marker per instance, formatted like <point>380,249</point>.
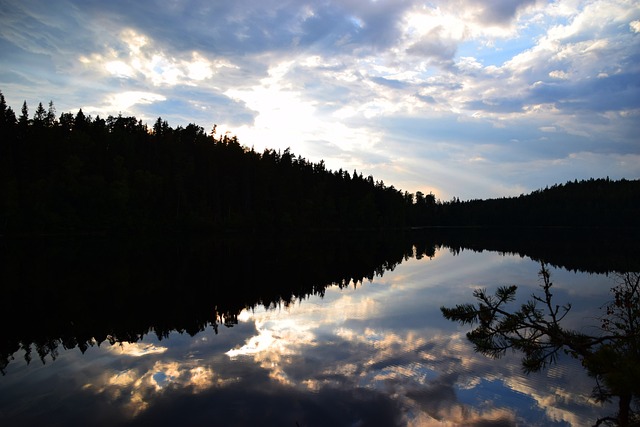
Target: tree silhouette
<point>50,119</point>
<point>535,330</point>
<point>79,175</point>
<point>40,116</point>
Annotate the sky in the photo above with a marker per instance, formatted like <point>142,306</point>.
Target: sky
<point>472,99</point>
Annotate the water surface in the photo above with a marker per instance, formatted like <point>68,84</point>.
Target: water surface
<point>362,351</point>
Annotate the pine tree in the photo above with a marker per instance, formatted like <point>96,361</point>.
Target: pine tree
<point>23,120</point>
<point>3,110</point>
<point>40,115</point>
<point>50,119</point>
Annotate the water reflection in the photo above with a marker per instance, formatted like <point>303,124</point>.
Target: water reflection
<point>431,372</point>
<point>363,353</point>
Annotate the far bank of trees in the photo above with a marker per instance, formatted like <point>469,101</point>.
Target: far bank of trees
<point>74,173</point>
<point>588,203</point>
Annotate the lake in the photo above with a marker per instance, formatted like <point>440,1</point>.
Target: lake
<point>330,330</point>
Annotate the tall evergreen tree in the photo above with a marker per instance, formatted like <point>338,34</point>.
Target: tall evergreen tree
<point>23,120</point>
<point>50,120</point>
<point>81,121</point>
<point>3,110</point>
<point>39,117</point>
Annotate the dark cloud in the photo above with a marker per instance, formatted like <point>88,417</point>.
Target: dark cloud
<point>495,105</point>
<point>443,86</point>
<point>328,28</point>
<point>434,45</point>
<point>381,21</point>
<point>343,26</point>
<point>253,403</point>
<point>606,93</point>
<point>501,12</point>
<point>392,83</point>
<point>246,26</point>
<point>426,98</point>
<point>214,27</point>
<point>437,397</point>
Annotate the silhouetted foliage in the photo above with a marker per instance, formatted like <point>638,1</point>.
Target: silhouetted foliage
<point>536,331</point>
<point>79,174</point>
<point>588,203</point>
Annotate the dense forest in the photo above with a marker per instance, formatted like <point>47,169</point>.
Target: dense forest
<point>78,174</point>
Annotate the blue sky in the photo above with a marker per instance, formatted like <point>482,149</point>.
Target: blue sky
<point>462,98</point>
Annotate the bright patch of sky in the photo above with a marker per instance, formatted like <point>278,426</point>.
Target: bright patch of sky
<point>461,98</point>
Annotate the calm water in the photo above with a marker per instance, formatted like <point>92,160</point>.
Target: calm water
<point>368,353</point>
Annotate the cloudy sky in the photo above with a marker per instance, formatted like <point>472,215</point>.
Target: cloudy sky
<point>462,98</point>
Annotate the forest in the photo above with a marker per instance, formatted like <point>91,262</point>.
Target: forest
<point>77,174</point>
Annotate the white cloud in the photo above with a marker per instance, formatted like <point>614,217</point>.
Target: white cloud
<point>139,59</point>
<point>136,349</point>
<point>123,102</point>
<point>559,74</point>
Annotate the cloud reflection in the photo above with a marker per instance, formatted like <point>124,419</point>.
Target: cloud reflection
<point>136,390</point>
<point>136,349</point>
<point>378,354</point>
<point>431,374</point>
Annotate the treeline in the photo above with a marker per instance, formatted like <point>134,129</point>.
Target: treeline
<point>81,174</point>
<point>78,174</point>
<point>588,203</point>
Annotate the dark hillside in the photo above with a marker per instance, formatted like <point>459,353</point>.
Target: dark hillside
<point>587,203</point>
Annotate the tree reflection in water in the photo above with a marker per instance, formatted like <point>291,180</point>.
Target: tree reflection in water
<point>535,329</point>
<point>79,293</point>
